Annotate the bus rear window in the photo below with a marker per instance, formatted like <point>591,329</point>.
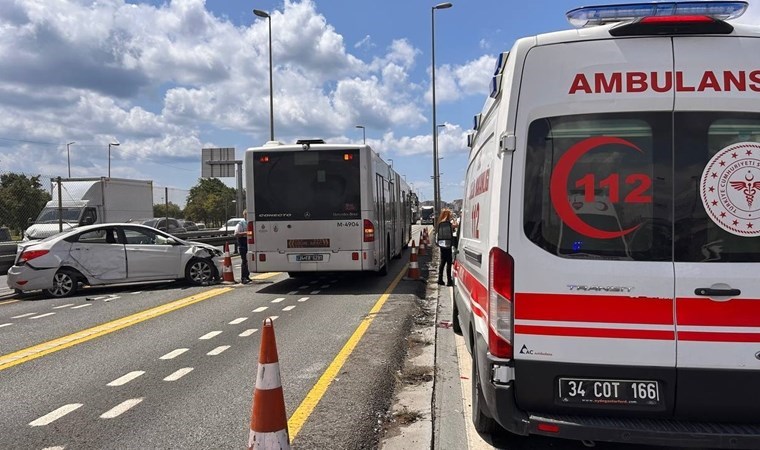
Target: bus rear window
<point>307,185</point>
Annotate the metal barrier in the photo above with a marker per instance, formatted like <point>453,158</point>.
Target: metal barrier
<point>213,237</point>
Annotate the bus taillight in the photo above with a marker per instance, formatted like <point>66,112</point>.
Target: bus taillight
<point>249,232</point>
<point>369,231</point>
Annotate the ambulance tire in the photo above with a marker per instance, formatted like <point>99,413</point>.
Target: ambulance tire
<point>480,420</point>
<point>455,326</point>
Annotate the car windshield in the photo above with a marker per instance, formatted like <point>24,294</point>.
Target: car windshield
<point>49,215</point>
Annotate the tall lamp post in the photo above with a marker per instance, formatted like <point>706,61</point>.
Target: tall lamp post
<point>68,156</point>
<point>364,133</point>
<point>265,15</point>
<point>111,144</point>
<point>436,175</point>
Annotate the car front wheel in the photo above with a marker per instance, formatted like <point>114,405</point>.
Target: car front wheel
<point>200,271</point>
<point>65,283</point>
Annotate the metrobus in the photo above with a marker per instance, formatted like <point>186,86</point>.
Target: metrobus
<point>427,215</point>
<point>316,207</point>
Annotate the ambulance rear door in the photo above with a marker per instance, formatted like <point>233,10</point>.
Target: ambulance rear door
<point>717,227</point>
<point>590,229</point>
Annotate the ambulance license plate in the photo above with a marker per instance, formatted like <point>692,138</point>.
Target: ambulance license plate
<point>609,392</point>
<point>309,258</point>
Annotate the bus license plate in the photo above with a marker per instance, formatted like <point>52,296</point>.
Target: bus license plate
<point>609,392</point>
<point>309,258</point>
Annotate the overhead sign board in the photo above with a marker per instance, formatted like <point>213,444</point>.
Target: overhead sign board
<point>217,162</point>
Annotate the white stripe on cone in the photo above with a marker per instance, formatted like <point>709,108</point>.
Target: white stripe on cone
<point>268,376</point>
<point>266,441</point>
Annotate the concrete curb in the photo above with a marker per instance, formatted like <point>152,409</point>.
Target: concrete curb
<point>411,413</point>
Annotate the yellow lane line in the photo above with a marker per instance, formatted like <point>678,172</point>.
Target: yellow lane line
<point>304,410</point>
<point>264,276</point>
<point>8,301</point>
<point>79,337</point>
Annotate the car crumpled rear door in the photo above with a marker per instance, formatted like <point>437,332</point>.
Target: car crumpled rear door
<point>717,228</point>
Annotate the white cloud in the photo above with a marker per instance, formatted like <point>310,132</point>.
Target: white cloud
<point>162,78</point>
<point>366,42</point>
<point>455,82</point>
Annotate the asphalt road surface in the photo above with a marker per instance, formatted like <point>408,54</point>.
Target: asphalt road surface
<point>165,365</point>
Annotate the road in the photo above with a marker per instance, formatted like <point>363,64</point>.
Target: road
<point>166,365</point>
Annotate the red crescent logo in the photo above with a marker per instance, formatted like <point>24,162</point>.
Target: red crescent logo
<point>558,187</point>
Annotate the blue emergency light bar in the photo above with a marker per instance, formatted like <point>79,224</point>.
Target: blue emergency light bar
<point>587,16</point>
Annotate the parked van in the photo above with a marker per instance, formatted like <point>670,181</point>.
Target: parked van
<point>606,280</point>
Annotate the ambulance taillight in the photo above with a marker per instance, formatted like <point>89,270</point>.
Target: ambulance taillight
<point>501,270</point>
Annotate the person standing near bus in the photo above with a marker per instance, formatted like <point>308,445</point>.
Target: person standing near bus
<point>444,236</point>
<point>241,237</point>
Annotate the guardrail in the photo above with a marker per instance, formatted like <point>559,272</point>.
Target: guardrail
<point>212,237</point>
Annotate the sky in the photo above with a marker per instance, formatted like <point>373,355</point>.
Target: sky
<point>164,79</point>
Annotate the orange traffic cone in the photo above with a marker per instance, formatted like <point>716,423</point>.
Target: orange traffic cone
<point>414,268</point>
<point>269,422</point>
<point>423,248</point>
<point>227,275</point>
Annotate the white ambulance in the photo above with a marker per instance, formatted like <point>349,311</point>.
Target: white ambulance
<point>639,322</point>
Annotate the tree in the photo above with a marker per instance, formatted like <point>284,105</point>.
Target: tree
<point>173,210</point>
<point>210,202</point>
<point>21,197</point>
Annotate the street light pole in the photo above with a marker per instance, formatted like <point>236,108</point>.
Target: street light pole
<point>364,133</point>
<point>266,15</point>
<point>111,144</point>
<point>68,156</point>
<point>436,175</point>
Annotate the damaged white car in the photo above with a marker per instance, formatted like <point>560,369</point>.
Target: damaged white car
<point>103,254</point>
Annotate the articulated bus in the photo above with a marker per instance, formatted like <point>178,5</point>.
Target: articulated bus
<point>315,207</point>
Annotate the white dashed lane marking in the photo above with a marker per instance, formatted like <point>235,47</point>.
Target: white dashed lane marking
<point>121,408</point>
<point>278,300</point>
<point>292,292</point>
<point>41,316</point>
<point>324,286</point>
<point>5,324</point>
<point>218,350</point>
<point>63,306</point>
<point>238,320</point>
<point>248,332</point>
<point>260,309</point>
<point>126,378</point>
<point>288,308</point>
<point>315,292</point>
<point>174,353</point>
<point>313,282</point>
<point>274,318</point>
<point>55,415</point>
<point>23,315</point>
<point>179,374</point>
<point>303,287</point>
<point>82,306</point>
<point>303,299</point>
<point>210,335</point>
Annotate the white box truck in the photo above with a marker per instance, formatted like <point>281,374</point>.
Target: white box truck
<point>85,201</point>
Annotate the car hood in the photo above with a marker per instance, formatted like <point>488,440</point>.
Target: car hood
<point>43,230</point>
<point>199,247</point>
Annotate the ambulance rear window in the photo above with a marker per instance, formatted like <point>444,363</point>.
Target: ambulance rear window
<point>717,187</point>
<point>596,186</point>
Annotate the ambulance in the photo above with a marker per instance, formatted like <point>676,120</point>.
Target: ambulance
<point>608,272</point>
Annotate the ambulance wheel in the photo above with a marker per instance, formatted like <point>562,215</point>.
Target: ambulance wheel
<point>480,420</point>
<point>455,313</point>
